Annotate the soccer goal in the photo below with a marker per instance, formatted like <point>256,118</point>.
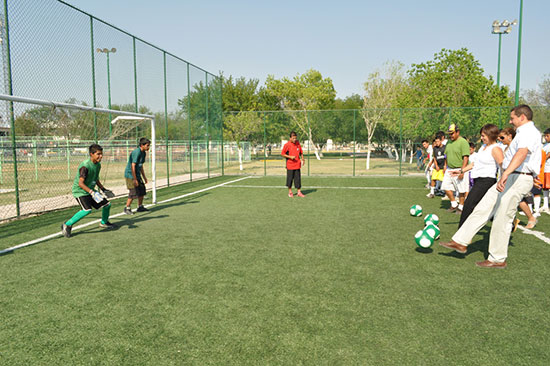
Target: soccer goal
<point>52,138</point>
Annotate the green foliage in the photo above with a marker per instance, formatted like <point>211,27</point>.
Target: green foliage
<point>241,126</point>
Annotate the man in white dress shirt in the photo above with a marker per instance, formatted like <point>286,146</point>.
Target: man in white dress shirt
<point>521,164</point>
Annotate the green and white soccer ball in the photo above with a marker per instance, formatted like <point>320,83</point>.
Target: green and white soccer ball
<point>423,240</point>
<point>416,210</point>
<point>432,231</point>
<point>433,218</point>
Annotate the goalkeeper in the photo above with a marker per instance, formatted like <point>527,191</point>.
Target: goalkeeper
<point>83,190</point>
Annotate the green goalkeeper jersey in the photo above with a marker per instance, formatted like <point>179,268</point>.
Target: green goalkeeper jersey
<point>90,172</point>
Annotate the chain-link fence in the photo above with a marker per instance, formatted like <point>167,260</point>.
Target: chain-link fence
<point>356,142</point>
<point>52,51</point>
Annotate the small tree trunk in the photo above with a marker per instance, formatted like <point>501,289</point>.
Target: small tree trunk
<point>368,154</point>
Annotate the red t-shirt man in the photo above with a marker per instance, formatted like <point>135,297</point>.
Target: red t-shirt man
<point>294,155</point>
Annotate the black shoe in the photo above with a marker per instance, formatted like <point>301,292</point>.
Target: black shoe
<point>128,211</point>
<point>66,230</point>
<point>141,209</point>
<point>106,225</point>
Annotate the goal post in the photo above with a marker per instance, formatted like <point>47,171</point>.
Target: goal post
<point>49,138</point>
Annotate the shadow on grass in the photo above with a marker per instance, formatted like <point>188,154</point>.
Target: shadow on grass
<point>479,246</point>
<point>309,191</point>
<point>424,250</point>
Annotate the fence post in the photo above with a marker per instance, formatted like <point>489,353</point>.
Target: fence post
<point>207,127</point>
<point>354,142</point>
<point>94,98</point>
<point>265,146</point>
<point>309,142</point>
<point>35,159</point>
<point>400,140</point>
<point>136,108</point>
<point>221,116</point>
<point>1,157</point>
<point>68,152</point>
<point>12,115</point>
<point>166,122</point>
<point>189,127</point>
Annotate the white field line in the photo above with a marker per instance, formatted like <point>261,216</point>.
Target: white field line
<point>51,236</point>
<point>320,187</point>
<point>536,234</point>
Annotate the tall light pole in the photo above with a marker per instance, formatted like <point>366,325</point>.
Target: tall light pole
<point>497,30</point>
<point>519,50</point>
<point>108,51</point>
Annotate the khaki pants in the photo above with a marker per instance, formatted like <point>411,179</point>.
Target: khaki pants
<point>504,206</point>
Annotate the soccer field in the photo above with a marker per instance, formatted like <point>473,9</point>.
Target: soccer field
<point>242,274</point>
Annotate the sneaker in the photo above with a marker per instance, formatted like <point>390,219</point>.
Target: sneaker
<point>106,225</point>
<point>546,210</point>
<point>300,194</point>
<point>445,198</point>
<point>536,214</point>
<point>128,211</point>
<point>141,209</point>
<point>66,230</point>
<point>430,195</point>
<point>522,213</point>
<point>291,195</point>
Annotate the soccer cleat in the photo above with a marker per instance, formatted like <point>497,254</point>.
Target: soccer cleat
<point>128,211</point>
<point>66,230</point>
<point>300,194</point>
<point>106,225</point>
<point>141,209</point>
<point>291,195</point>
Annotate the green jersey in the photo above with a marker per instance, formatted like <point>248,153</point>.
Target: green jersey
<point>137,157</point>
<point>90,172</point>
<point>455,151</point>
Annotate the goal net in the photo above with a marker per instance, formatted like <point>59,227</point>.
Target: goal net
<point>38,164</point>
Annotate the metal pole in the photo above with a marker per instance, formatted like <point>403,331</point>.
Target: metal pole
<point>11,111</point>
<point>109,93</point>
<point>308,143</point>
<point>498,64</point>
<point>67,151</point>
<point>135,81</point>
<point>354,142</point>
<point>222,122</point>
<point>154,160</point>
<point>265,143</point>
<point>166,123</point>
<point>189,126</point>
<point>94,101</point>
<point>35,159</point>
<point>207,128</point>
<point>1,157</point>
<point>400,139</point>
<point>519,51</point>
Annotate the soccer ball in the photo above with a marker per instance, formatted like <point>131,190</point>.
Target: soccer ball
<point>415,210</point>
<point>432,231</point>
<point>431,217</point>
<point>423,240</point>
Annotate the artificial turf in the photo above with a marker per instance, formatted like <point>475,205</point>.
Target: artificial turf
<point>241,275</point>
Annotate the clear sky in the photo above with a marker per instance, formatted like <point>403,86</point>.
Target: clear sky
<point>345,40</point>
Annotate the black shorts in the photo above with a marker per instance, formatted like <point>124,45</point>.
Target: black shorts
<point>294,175</point>
<point>87,202</point>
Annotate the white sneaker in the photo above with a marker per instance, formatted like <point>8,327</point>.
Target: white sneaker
<point>430,195</point>
<point>546,210</point>
<point>536,214</point>
<point>445,198</point>
<point>522,213</point>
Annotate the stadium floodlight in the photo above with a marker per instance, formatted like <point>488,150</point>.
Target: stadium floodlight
<point>497,29</point>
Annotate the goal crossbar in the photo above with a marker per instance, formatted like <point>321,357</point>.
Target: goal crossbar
<point>129,115</point>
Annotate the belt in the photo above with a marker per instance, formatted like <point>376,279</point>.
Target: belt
<point>522,173</point>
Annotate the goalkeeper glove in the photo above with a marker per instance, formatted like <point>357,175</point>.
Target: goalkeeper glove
<point>96,196</point>
<point>107,193</point>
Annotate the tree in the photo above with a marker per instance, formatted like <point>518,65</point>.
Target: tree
<point>239,127</point>
<point>304,93</point>
<point>240,94</point>
<point>541,95</point>
<point>381,94</point>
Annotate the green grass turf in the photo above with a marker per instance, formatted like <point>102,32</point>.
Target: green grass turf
<point>249,276</point>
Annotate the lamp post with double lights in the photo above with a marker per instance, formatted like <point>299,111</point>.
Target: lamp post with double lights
<point>497,29</point>
<point>108,51</point>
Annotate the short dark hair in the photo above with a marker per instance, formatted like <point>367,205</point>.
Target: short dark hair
<point>144,141</point>
<point>440,135</point>
<point>292,133</point>
<point>523,110</point>
<point>491,131</point>
<point>509,131</point>
<point>547,131</point>
<point>425,141</point>
<point>94,147</point>
<point>472,145</point>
